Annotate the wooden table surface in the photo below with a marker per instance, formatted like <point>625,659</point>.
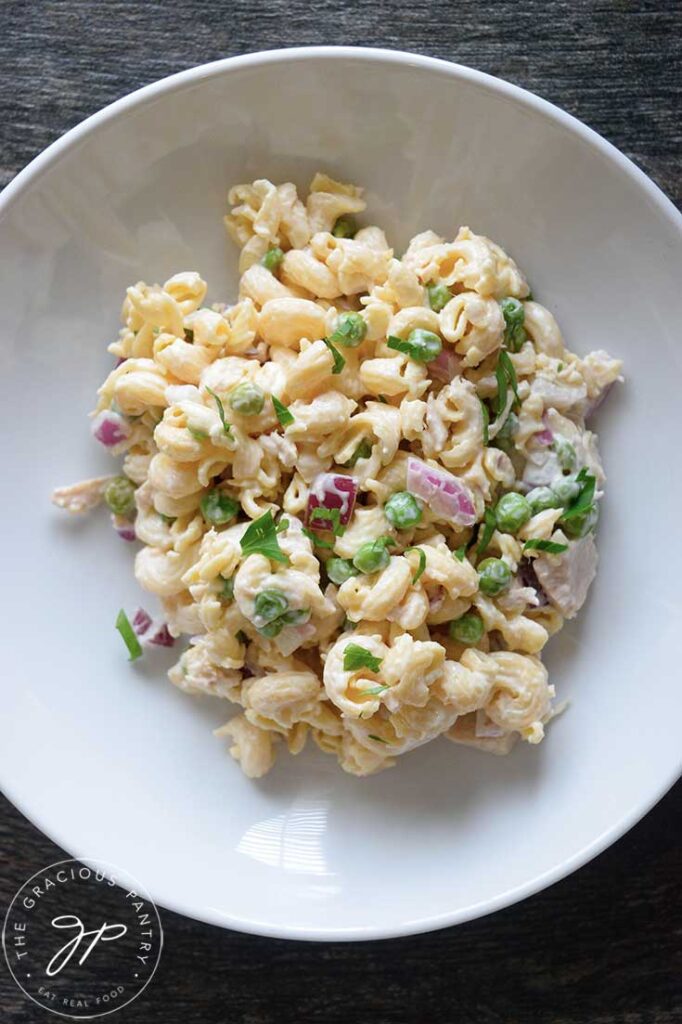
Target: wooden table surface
<point>600,947</point>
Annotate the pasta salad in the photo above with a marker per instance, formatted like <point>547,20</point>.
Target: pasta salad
<point>365,491</point>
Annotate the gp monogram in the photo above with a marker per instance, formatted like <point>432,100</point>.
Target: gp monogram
<point>82,938</point>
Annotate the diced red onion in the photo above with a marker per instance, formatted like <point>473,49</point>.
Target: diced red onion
<point>544,437</point>
<point>445,366</point>
<point>141,621</point>
<point>330,491</point>
<point>111,428</point>
<point>159,635</point>
<point>436,598</point>
<point>124,528</point>
<point>152,632</point>
<point>485,727</point>
<point>445,495</point>
<point>120,361</point>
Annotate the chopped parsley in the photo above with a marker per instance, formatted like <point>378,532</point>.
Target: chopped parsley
<point>198,435</point>
<point>316,539</point>
<point>377,738</point>
<point>355,657</point>
<point>373,691</point>
<point>260,538</point>
<point>460,553</point>
<point>333,515</point>
<point>282,413</point>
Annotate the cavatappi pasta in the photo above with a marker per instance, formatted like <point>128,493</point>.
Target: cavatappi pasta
<point>365,490</point>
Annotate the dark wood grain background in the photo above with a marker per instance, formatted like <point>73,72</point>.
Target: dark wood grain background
<point>601,947</point>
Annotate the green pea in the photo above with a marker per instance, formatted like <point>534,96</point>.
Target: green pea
<point>270,604</point>
<point>247,399</point>
<point>467,630</point>
<point>581,525</point>
<point>438,295</point>
<point>403,510</point>
<point>340,569</point>
<point>345,227</point>
<point>512,512</point>
<point>296,617</point>
<point>350,330</point>
<point>226,592</point>
<point>566,490</point>
<point>494,576</point>
<point>425,345</point>
<point>565,453</point>
<point>371,556</point>
<point>273,258</point>
<point>120,496</point>
<point>271,629</point>
<point>542,498</point>
<point>217,508</point>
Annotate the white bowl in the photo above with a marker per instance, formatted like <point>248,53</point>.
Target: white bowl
<point>110,760</point>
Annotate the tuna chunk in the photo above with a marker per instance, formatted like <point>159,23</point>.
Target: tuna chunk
<point>566,578</point>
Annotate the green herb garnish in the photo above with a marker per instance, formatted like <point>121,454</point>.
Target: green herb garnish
<point>198,435</point>
<point>282,413</point>
<point>339,361</point>
<point>460,553</point>
<point>316,539</point>
<point>260,538</point>
<point>221,412</point>
<point>585,498</point>
<point>485,535</point>
<point>333,515</point>
<point>377,738</point>
<point>363,451</point>
<point>545,545</point>
<point>355,657</point>
<point>373,691</point>
<point>486,421</point>
<point>505,375</point>
<point>422,561</point>
<point>272,258</point>
<point>129,635</point>
<point>421,345</point>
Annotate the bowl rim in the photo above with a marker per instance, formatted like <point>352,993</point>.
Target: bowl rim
<point>74,137</point>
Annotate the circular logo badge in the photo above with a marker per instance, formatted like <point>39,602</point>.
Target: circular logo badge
<point>82,938</point>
